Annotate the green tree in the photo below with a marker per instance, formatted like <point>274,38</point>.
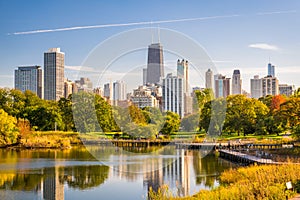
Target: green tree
<point>8,129</point>
<point>46,117</point>
<point>202,97</point>
<point>243,113</point>
<point>65,106</point>
<point>290,114</point>
<point>190,123</point>
<point>172,123</point>
<point>212,117</point>
<point>105,115</point>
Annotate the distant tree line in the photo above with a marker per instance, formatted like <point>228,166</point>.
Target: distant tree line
<point>234,114</point>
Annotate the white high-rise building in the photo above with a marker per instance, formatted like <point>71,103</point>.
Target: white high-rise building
<point>29,78</point>
<point>173,94</point>
<point>183,72</point>
<point>236,82</point>
<point>54,66</point>
<point>119,91</point>
<point>270,86</point>
<point>256,87</point>
<point>209,79</point>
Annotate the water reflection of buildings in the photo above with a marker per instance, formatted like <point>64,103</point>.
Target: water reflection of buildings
<point>157,171</point>
<point>175,174</point>
<point>52,187</point>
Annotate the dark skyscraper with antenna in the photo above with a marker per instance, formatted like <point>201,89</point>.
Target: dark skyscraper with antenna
<point>155,66</point>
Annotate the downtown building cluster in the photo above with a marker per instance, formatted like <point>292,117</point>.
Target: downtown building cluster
<point>169,92</point>
<point>259,87</point>
<point>51,83</point>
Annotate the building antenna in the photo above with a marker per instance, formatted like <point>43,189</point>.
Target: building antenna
<point>151,33</point>
<point>158,32</point>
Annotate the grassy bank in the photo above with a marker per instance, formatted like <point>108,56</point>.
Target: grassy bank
<point>254,182</point>
<point>50,139</point>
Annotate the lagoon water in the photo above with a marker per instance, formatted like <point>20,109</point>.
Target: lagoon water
<point>94,172</point>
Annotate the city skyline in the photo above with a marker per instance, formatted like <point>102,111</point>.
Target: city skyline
<point>245,41</point>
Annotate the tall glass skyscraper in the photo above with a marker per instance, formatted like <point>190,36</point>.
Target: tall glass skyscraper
<point>155,66</point>
<point>29,78</point>
<point>209,79</point>
<point>236,82</point>
<point>271,70</point>
<point>54,66</point>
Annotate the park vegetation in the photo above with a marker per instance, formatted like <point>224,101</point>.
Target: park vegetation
<point>254,182</point>
<point>22,114</point>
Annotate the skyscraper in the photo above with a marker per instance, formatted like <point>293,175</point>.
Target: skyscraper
<point>119,91</point>
<point>236,82</point>
<point>271,70</point>
<point>155,66</point>
<point>183,72</point>
<point>29,78</point>
<point>256,87</point>
<point>54,64</point>
<point>222,86</point>
<point>209,79</point>
<point>173,95</point>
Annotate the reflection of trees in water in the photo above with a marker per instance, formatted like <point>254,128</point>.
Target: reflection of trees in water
<point>23,182</point>
<point>208,168</point>
<point>80,177</point>
<point>78,152</point>
<point>84,177</point>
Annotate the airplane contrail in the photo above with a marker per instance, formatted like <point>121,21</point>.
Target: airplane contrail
<point>120,24</point>
<point>141,23</point>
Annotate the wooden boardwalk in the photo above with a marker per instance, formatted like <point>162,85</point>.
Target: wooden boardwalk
<point>232,145</point>
<point>244,158</point>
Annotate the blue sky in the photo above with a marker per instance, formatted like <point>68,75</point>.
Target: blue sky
<point>260,29</point>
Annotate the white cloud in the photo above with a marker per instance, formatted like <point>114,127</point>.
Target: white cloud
<point>80,68</point>
<point>277,12</point>
<point>264,46</point>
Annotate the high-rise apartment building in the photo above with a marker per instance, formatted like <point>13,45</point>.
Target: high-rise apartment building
<point>209,79</point>
<point>236,82</point>
<point>107,91</point>
<point>29,78</point>
<point>155,66</point>
<point>173,94</point>
<point>270,86</point>
<point>222,86</point>
<point>271,70</point>
<point>119,91</point>
<point>256,87</point>
<point>54,64</point>
<point>183,72</point>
